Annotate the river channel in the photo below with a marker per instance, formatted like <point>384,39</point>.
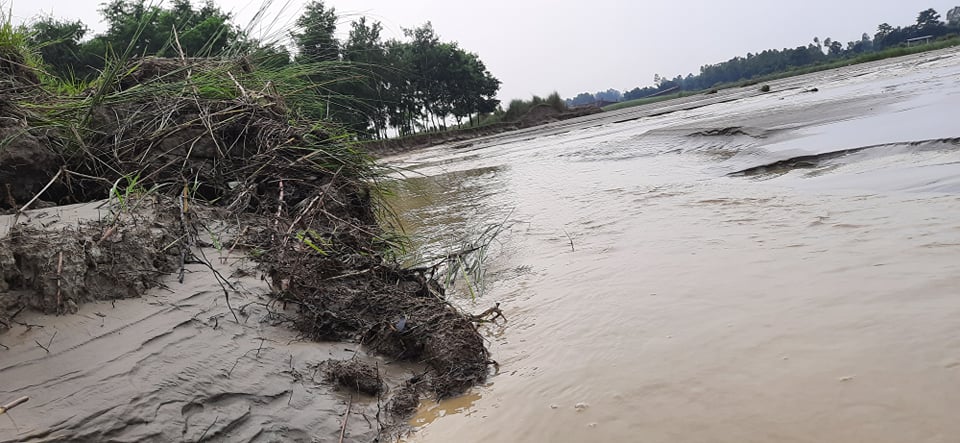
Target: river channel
<point>732,267</point>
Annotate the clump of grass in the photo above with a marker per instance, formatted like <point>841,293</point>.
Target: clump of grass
<point>519,108</point>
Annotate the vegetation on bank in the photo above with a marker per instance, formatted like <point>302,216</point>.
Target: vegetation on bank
<point>367,85</point>
<point>236,140</point>
<point>647,100</point>
<point>888,41</point>
<point>864,58</point>
<point>518,108</point>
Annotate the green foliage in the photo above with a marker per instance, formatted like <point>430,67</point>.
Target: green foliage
<point>16,47</point>
<point>135,28</point>
<point>311,239</point>
<point>164,32</point>
<point>60,45</point>
<point>314,37</point>
<point>364,85</point>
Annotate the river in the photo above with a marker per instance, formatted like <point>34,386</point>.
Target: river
<point>733,267</point>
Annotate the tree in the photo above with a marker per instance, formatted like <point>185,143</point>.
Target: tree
<point>928,19</point>
<point>314,37</point>
<point>836,48</point>
<point>151,29</point>
<point>953,16</point>
<point>584,98</point>
<point>361,95</point>
<point>610,95</point>
<point>60,46</point>
<point>146,29</point>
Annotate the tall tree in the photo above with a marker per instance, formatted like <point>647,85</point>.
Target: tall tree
<point>60,46</point>
<point>152,29</point>
<point>928,19</point>
<point>315,37</point>
<point>953,16</point>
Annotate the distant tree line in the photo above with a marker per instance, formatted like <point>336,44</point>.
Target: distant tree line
<point>773,61</point>
<point>365,83</point>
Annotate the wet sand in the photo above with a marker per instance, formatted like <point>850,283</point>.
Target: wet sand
<point>654,297</point>
<point>174,365</point>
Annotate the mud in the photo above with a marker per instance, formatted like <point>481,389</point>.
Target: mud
<point>354,374</point>
<point>28,163</point>
<point>55,271</point>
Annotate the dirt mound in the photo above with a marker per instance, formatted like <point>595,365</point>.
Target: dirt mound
<point>394,312</point>
<point>175,69</point>
<point>26,163</point>
<point>354,374</point>
<point>539,114</point>
<point>15,75</point>
<point>55,271</point>
<point>298,196</point>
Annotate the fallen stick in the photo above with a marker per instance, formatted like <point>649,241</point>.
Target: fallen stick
<point>15,403</point>
<point>346,416</point>
<point>59,276</point>
<point>494,311</point>
<point>35,197</point>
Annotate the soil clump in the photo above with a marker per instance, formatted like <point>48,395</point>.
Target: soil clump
<point>354,374</point>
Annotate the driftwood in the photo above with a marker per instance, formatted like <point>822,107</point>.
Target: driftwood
<point>13,404</point>
<point>493,313</point>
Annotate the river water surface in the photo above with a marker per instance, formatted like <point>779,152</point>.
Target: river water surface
<point>655,294</point>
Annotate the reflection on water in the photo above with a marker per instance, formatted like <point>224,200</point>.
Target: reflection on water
<point>652,297</point>
<point>430,411</point>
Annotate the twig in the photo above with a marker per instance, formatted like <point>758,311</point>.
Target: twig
<point>346,416</point>
<point>569,238</point>
<point>51,339</point>
<point>42,346</point>
<point>208,428</point>
<point>494,311</point>
<point>224,283</point>
<point>59,274</point>
<point>236,241</point>
<point>186,234</point>
<point>35,197</point>
<point>349,274</point>
<point>379,394</point>
<point>276,221</point>
<point>15,403</point>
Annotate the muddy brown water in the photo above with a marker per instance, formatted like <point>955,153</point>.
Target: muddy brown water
<point>653,296</point>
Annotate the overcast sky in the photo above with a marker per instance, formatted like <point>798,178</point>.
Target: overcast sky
<point>538,46</point>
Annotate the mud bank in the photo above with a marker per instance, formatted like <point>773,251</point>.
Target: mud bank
<point>240,219</point>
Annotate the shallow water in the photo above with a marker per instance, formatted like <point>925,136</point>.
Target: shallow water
<point>650,296</point>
